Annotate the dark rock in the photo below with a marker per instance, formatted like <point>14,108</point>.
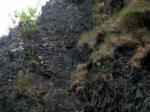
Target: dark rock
<point>145,62</point>
<point>84,52</point>
<point>54,46</point>
<point>100,37</point>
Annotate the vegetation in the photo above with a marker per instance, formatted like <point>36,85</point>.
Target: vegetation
<point>90,37</point>
<point>28,20</point>
<point>28,23</point>
<point>78,78</point>
<point>133,19</point>
<point>80,75</point>
<point>24,85</point>
<point>130,27</point>
<point>132,22</point>
<point>32,64</point>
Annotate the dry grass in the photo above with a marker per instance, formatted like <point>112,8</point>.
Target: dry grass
<point>81,67</point>
<point>78,81</point>
<point>32,63</point>
<point>130,20</point>
<point>91,36</point>
<point>129,41</point>
<point>96,16</point>
<point>95,7</point>
<point>124,29</point>
<point>133,19</point>
<point>139,55</point>
<point>106,49</point>
<point>79,77</point>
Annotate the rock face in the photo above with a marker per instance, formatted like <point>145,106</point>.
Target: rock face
<point>55,48</point>
<point>111,83</point>
<point>50,55</point>
<point>122,90</point>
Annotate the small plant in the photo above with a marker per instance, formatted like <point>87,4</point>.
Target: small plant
<point>32,63</point>
<point>28,20</point>
<point>24,85</point>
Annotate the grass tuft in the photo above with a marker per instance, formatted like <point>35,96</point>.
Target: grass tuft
<point>24,85</point>
<point>134,19</point>
<point>32,63</point>
<point>90,37</point>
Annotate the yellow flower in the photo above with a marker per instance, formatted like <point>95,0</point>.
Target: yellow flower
<point>98,64</point>
<point>126,67</point>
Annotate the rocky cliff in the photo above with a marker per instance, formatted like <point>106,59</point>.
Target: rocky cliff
<point>56,56</point>
<point>87,56</point>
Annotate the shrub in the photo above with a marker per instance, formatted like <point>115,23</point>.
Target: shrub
<point>28,20</point>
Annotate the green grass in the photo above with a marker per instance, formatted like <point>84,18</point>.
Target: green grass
<point>90,37</point>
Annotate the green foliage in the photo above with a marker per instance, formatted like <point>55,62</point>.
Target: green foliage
<point>28,20</point>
